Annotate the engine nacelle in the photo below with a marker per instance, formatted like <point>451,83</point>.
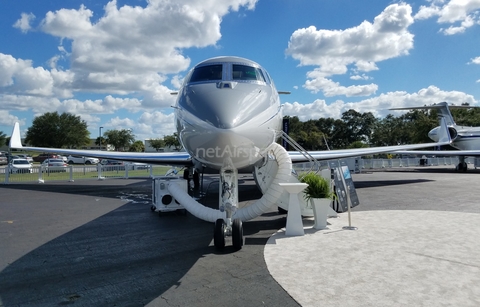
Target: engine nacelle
<point>435,132</point>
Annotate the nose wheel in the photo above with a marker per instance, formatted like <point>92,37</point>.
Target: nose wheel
<point>237,234</point>
<point>219,234</point>
<point>222,230</point>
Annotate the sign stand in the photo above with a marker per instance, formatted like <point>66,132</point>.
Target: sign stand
<point>344,189</point>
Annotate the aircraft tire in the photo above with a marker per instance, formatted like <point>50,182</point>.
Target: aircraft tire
<point>461,167</point>
<point>219,234</point>
<point>237,234</point>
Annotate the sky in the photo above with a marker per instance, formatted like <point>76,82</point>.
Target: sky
<point>115,63</point>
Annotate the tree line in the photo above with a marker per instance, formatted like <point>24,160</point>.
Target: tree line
<point>355,129</point>
<point>69,131</point>
<point>352,130</point>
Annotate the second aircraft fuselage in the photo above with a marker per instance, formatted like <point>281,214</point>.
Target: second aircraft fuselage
<point>463,138</point>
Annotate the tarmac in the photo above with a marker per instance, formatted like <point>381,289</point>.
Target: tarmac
<point>96,243</point>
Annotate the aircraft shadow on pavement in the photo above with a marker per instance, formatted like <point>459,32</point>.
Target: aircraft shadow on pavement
<point>131,256</point>
<point>380,183</point>
<point>127,255</point>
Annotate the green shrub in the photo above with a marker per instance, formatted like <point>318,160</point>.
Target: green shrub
<point>318,187</point>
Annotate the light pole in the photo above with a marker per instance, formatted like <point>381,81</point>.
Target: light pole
<point>100,137</point>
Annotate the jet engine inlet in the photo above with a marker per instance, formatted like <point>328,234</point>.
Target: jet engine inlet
<point>453,133</point>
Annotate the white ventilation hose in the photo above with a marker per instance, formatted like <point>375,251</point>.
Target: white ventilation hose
<point>262,205</point>
<point>274,191</point>
<point>194,207</point>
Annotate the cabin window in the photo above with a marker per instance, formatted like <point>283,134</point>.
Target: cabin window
<point>207,73</point>
<point>242,72</point>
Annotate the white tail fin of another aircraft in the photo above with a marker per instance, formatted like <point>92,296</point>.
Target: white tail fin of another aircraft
<point>443,111</point>
<point>16,140</point>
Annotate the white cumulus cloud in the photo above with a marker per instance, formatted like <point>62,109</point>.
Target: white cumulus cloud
<point>475,61</point>
<point>379,106</point>
<point>364,45</point>
<point>463,13</point>
<point>24,22</point>
<point>119,52</point>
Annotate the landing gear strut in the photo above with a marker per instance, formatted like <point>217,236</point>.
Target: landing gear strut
<point>228,195</point>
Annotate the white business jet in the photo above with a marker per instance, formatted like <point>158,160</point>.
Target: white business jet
<point>228,117</point>
<point>465,139</point>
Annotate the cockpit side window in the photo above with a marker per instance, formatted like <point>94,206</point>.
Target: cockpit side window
<point>267,77</point>
<point>207,73</point>
<point>243,72</point>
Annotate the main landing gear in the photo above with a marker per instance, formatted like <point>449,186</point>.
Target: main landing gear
<point>462,165</point>
<point>222,229</point>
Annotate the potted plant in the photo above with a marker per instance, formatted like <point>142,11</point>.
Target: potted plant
<point>320,196</point>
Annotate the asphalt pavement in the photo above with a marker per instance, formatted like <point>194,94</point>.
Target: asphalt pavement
<point>97,243</point>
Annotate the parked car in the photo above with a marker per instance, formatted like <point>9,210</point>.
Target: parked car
<point>54,165</point>
<point>112,165</point>
<point>3,159</point>
<point>82,160</point>
<point>122,165</point>
<point>17,166</point>
<point>27,157</point>
<point>11,156</point>
<point>111,162</point>
<point>41,157</point>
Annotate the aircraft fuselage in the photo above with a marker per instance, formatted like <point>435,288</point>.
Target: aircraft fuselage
<point>227,112</point>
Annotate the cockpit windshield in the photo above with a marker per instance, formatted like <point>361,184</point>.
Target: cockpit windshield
<point>226,72</point>
<point>243,72</point>
<point>207,73</point>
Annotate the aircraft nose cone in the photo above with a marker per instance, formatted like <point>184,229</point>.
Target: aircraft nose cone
<point>224,108</point>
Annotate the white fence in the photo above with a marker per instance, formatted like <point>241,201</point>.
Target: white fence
<point>82,172</point>
<point>358,164</point>
<point>96,172</point>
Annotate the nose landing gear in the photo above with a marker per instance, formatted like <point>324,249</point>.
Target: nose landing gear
<point>228,195</point>
<point>222,230</point>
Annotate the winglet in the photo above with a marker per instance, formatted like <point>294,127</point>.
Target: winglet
<point>16,140</point>
<point>444,135</point>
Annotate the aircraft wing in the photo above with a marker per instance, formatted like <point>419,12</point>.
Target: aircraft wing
<point>170,158</point>
<point>440,152</point>
<point>444,139</point>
